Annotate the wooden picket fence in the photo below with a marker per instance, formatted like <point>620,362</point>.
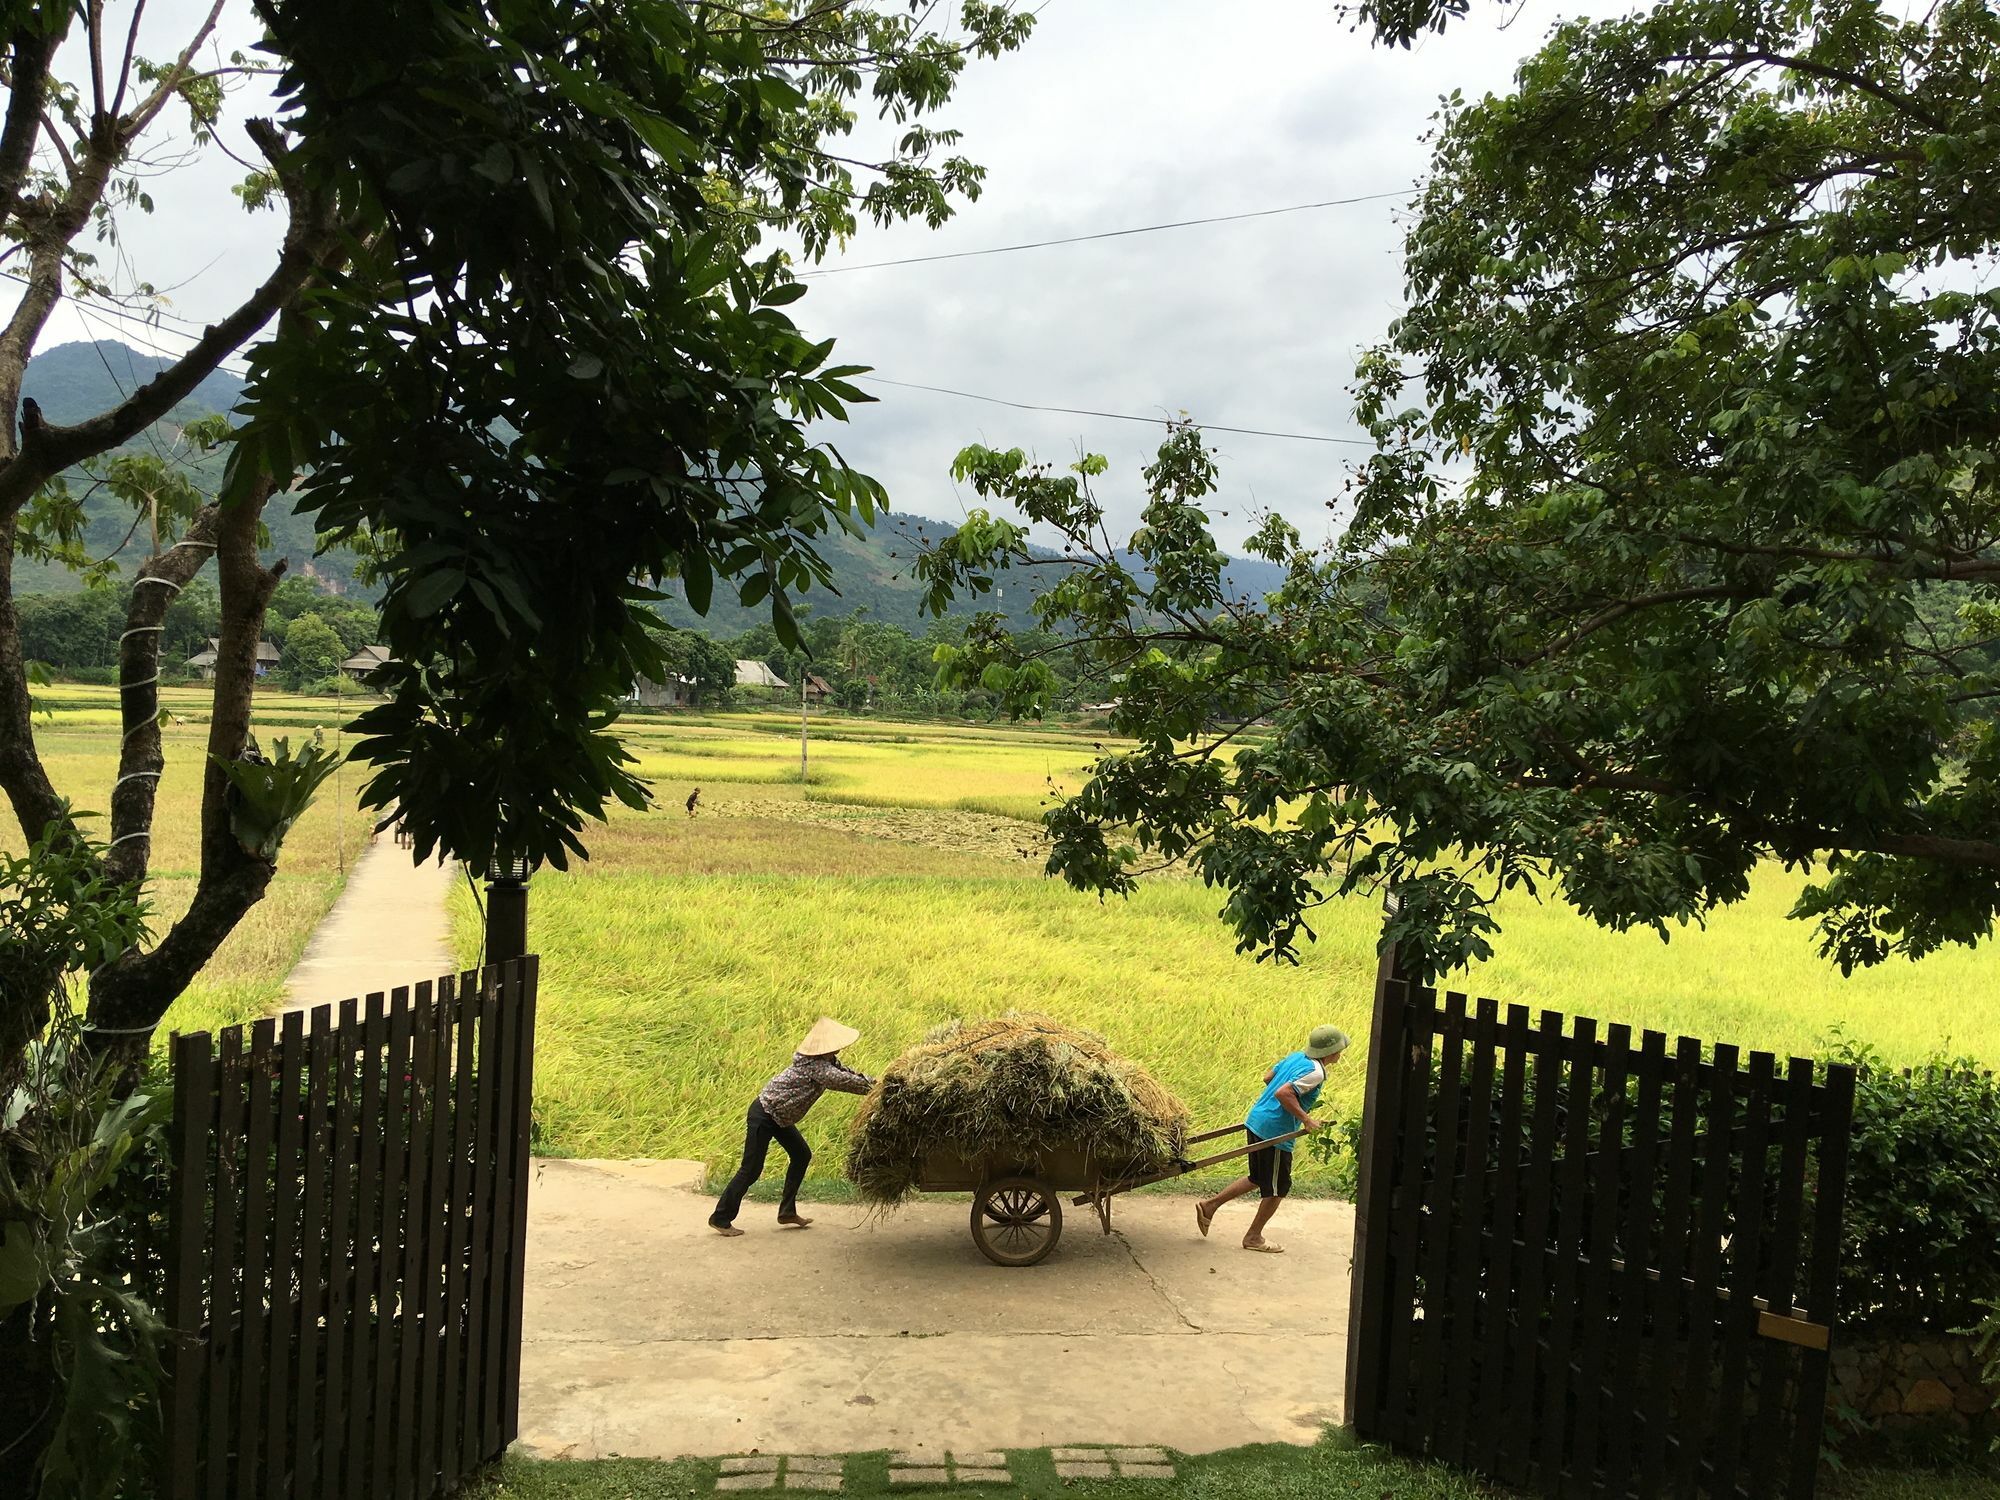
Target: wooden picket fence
<point>348,1224</point>
<point>1595,1266</point>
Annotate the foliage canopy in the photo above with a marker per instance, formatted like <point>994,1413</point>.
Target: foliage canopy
<point>528,349</point>
<point>1677,552</point>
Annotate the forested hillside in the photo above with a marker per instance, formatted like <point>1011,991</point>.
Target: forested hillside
<point>871,572</point>
<point>75,381</point>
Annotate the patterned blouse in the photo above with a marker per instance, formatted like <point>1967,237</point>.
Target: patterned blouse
<point>787,1097</point>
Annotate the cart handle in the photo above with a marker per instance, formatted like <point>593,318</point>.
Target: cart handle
<point>1206,1161</point>
<point>1212,1135</point>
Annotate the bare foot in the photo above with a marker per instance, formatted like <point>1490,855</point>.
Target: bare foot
<point>794,1221</point>
<point>728,1231</point>
<point>1263,1247</point>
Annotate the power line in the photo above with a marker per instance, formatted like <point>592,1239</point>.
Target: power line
<point>1116,416</point>
<point>1108,234</point>
<point>86,310</point>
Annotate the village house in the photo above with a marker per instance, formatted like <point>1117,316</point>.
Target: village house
<point>675,692</point>
<point>755,674</point>
<point>202,663</point>
<point>366,662</point>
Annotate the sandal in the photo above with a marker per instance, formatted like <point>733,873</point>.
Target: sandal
<point>1203,1217</point>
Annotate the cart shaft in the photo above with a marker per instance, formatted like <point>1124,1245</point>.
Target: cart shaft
<point>1206,1161</point>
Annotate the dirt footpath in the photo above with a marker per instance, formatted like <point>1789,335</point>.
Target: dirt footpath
<point>648,1335</point>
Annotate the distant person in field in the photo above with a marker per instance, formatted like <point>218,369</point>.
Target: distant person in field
<point>693,797</point>
<point>775,1114</point>
<point>1291,1088</point>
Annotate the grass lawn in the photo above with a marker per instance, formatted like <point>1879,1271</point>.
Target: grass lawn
<point>1334,1467</point>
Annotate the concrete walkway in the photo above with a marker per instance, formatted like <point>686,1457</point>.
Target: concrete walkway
<point>648,1335</point>
<point>389,927</point>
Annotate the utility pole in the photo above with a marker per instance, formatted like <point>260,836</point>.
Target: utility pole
<point>802,723</point>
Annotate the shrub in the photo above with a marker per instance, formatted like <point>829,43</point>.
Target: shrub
<point>1922,1242</point>
<point>82,1201</point>
<point>1336,1150</point>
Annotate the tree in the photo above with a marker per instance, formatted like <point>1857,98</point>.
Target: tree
<point>1639,591</point>
<point>355,622</point>
<point>522,334</point>
<point>312,652</point>
<point>708,667</point>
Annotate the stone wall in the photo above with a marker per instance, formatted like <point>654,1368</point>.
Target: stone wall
<point>1901,1384</point>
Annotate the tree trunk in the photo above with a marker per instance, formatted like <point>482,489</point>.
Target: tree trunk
<point>129,996</point>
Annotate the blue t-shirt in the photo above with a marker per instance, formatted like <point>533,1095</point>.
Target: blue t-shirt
<point>1267,1116</point>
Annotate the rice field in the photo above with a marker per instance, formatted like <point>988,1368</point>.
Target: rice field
<point>78,736</point>
<point>899,885</point>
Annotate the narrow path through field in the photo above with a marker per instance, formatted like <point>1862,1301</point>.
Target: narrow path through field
<point>389,927</point>
<point>648,1335</point>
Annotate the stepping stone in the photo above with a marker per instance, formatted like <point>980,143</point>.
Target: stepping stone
<point>795,1480</point>
<point>1082,1469</point>
<point>920,1476</point>
<point>980,1460</point>
<point>1146,1471</point>
<point>755,1463</point>
<point>1142,1456</point>
<point>908,1459</point>
<point>809,1464</point>
<point>747,1482</point>
<point>981,1475</point>
<point>1079,1455</point>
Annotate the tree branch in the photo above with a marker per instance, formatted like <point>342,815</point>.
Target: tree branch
<point>22,776</point>
<point>148,108</point>
<point>27,92</point>
<point>1624,607</point>
<point>309,241</point>
<point>125,65</point>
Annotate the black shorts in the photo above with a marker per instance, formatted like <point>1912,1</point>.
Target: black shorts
<point>1270,1169</point>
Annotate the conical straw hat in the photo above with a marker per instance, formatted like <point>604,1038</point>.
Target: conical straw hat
<point>828,1035</point>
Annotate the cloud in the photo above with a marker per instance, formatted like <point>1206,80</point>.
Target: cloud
<point>1116,114</point>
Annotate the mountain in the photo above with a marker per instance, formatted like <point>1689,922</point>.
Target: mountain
<point>74,381</point>
<point>873,572</point>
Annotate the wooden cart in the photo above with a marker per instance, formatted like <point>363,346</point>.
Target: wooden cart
<point>1016,1204</point>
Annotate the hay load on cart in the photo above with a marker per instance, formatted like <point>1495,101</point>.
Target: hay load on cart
<point>1013,1110</point>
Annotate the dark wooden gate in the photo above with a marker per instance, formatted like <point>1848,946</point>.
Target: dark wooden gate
<point>349,1216</point>
<point>1593,1264</point>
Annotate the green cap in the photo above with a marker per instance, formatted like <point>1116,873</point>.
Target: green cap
<point>1326,1041</point>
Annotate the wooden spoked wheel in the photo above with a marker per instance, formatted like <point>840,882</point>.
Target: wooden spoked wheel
<point>1016,1221</point>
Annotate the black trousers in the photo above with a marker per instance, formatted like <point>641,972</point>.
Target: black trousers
<point>759,1130</point>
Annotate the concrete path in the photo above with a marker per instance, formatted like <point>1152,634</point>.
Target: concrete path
<point>389,927</point>
<point>648,1335</point>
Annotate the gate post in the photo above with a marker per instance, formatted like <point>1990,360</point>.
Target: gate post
<point>1361,1401</point>
<point>506,910</point>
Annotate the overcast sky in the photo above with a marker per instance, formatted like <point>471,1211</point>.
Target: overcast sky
<point>1118,113</point>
